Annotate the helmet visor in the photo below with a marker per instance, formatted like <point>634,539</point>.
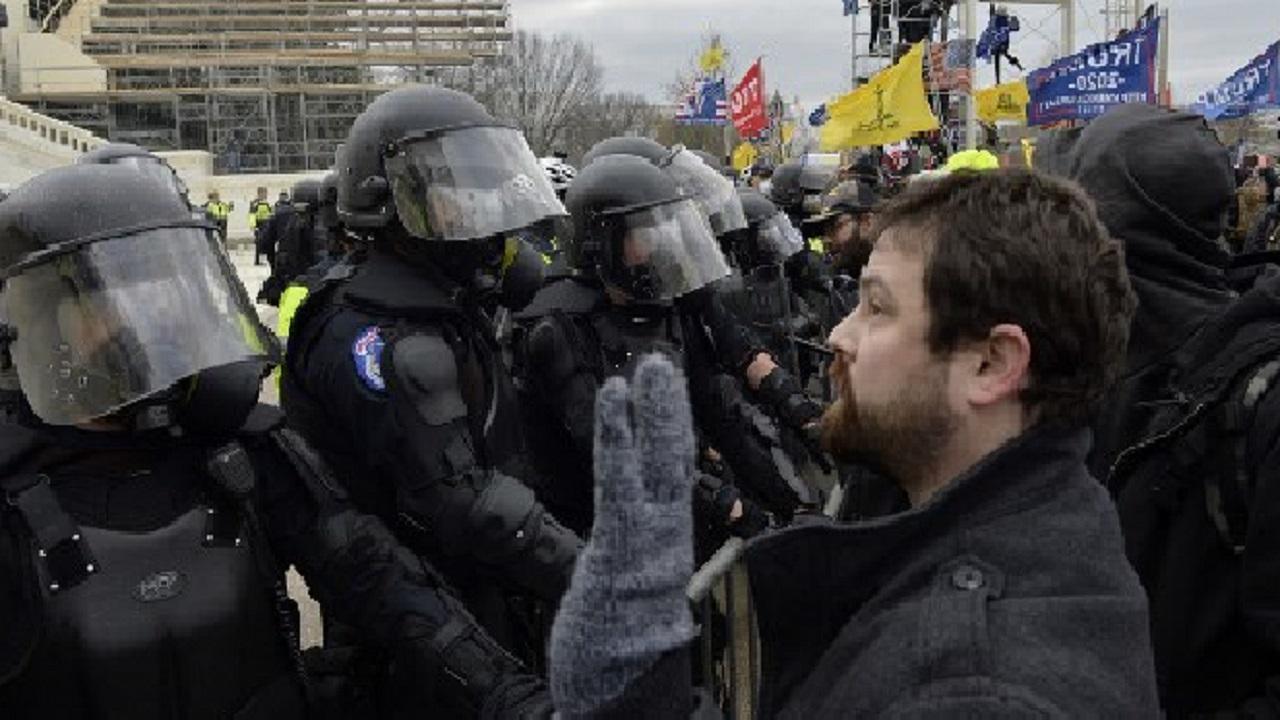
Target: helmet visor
<point>664,252</point>
<point>469,184</point>
<point>118,320</point>
<point>817,177</point>
<point>156,169</point>
<point>779,237</point>
<point>710,189</point>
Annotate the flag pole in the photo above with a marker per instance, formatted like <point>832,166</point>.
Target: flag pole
<point>971,107</point>
<point>853,48</point>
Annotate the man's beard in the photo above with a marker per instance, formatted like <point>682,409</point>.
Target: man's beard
<point>853,255</point>
<point>904,437</point>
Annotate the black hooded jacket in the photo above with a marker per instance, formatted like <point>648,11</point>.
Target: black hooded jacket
<point>1175,432</point>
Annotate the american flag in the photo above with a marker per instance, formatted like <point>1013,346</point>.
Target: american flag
<point>706,104</point>
<point>949,68</point>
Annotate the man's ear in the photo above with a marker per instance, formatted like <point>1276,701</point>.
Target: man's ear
<point>1004,366</point>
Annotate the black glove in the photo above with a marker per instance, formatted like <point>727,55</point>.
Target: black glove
<point>781,391</point>
<point>752,522</point>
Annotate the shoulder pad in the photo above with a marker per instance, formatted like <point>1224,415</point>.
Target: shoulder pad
<point>569,296</point>
<point>550,351</point>
<point>424,372</point>
<point>17,443</point>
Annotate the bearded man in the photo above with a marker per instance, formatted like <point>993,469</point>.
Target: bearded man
<point>993,316</point>
<point>991,320</point>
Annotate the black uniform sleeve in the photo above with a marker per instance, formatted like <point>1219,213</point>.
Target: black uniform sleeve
<point>563,388</point>
<point>446,487</point>
<point>1260,566</point>
<point>363,576</point>
<point>736,345</point>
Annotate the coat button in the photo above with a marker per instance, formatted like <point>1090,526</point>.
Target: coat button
<point>967,577</point>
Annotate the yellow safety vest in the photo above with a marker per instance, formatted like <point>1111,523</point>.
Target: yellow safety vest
<point>216,210</point>
<point>290,300</point>
<point>259,213</point>
<point>817,245</point>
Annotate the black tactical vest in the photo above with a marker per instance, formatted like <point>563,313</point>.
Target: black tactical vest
<point>146,597</point>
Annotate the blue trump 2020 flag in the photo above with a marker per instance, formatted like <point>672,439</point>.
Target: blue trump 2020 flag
<point>1087,84</point>
<point>1254,87</point>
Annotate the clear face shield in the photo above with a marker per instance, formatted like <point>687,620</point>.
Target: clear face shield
<point>779,238</point>
<point>468,184</point>
<point>115,321</point>
<point>714,192</point>
<point>661,253</point>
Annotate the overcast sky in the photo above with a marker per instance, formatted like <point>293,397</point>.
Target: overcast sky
<point>806,43</point>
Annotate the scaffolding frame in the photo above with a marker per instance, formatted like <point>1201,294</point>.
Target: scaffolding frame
<point>268,87</point>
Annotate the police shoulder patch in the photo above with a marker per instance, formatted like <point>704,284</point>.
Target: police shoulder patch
<point>366,353</point>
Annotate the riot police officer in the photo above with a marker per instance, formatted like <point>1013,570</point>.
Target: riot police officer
<point>639,245</point>
<point>295,239</point>
<point>759,293</point>
<point>151,505</point>
<point>392,368</point>
<point>785,191</point>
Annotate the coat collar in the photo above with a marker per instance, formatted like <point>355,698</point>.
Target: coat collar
<point>808,581</point>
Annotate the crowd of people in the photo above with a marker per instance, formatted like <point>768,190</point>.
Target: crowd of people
<point>1000,442</point>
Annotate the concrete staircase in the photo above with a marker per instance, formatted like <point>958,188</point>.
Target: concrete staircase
<point>31,143</point>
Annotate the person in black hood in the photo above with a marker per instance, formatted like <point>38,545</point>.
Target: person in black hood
<point>1187,441</point>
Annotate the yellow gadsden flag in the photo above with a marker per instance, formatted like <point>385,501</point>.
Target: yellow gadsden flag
<point>744,155</point>
<point>889,108</point>
<point>1004,102</point>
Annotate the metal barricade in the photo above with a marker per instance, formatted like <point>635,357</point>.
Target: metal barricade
<point>728,643</point>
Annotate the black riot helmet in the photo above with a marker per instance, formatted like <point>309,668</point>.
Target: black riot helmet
<point>694,177</point>
<point>816,178</point>
<point>306,195</point>
<point>650,150</point>
<point>636,231</point>
<point>327,214</point>
<point>117,295</point>
<point>785,190</point>
<point>140,159</point>
<point>439,163</point>
<point>770,236</point>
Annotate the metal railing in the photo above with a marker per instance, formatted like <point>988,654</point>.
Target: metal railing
<point>728,646</point>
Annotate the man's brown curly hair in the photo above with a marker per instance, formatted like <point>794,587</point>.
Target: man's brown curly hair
<point>1019,247</point>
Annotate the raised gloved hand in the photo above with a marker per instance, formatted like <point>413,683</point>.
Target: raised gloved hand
<point>626,606</point>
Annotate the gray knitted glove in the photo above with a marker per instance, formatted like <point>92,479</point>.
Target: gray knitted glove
<point>626,605</point>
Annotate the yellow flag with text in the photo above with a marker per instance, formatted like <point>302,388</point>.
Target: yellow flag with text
<point>744,155</point>
<point>889,108</point>
<point>1007,101</point>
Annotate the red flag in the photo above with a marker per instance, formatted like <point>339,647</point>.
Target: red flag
<point>746,104</point>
